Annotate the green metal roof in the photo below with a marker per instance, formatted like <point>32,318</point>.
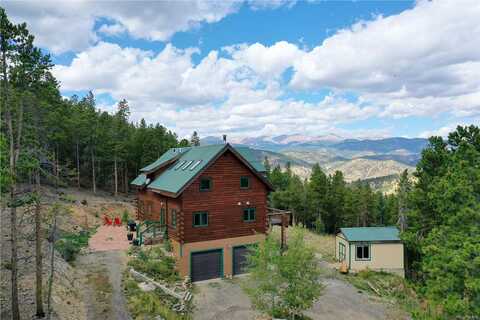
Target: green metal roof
<point>167,156</point>
<point>371,234</point>
<point>188,162</point>
<point>248,154</point>
<point>175,177</point>
<point>140,180</point>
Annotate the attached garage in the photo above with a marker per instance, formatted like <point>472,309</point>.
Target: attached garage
<point>206,265</point>
<point>239,259</point>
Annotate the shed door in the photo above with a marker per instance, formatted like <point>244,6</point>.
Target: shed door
<point>239,259</point>
<point>206,265</point>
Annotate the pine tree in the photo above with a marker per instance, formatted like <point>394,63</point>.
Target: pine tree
<point>195,140</point>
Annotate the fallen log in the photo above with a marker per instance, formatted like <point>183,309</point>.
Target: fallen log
<point>374,289</point>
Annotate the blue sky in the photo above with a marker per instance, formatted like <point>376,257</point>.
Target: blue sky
<point>251,68</point>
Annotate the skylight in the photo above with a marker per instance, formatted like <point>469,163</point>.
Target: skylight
<point>187,164</point>
<point>181,163</point>
<point>195,165</point>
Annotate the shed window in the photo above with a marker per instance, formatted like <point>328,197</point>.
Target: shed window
<point>200,219</point>
<point>174,218</point>
<point>249,214</point>
<point>244,182</point>
<point>205,184</point>
<point>363,252</point>
<point>341,251</point>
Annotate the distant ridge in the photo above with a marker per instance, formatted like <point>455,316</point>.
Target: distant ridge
<point>378,161</point>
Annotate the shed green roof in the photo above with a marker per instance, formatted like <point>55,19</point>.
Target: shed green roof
<point>371,233</point>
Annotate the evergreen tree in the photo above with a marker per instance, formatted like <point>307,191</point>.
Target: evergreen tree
<point>195,140</point>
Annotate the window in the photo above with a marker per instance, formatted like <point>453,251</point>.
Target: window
<point>181,163</point>
<point>200,219</point>
<point>341,251</point>
<point>249,214</point>
<point>195,165</point>
<point>244,182</point>
<point>205,184</point>
<point>174,218</point>
<point>187,164</point>
<point>363,252</point>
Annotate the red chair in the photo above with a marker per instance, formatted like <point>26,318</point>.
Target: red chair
<point>117,221</point>
<point>107,221</point>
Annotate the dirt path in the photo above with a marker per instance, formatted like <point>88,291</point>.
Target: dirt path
<point>103,267</point>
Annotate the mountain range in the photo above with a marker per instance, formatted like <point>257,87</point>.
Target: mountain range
<point>358,159</point>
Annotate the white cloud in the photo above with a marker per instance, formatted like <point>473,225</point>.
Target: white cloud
<point>267,61</point>
<point>219,94</point>
<point>416,62</point>
<point>445,130</point>
<point>112,29</point>
<point>62,26</point>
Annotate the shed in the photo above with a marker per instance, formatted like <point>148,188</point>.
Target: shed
<point>375,248</point>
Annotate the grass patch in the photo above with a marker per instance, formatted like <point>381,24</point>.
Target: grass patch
<point>70,244</point>
<point>102,291</point>
<point>148,305</point>
<point>153,263</point>
<point>323,244</point>
<point>396,290</point>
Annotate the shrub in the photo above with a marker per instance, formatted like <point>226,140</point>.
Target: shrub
<point>70,244</point>
<point>125,217</point>
<point>167,245</point>
<point>283,283</point>
<point>67,198</point>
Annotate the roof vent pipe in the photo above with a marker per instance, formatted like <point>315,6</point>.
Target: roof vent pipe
<point>224,138</point>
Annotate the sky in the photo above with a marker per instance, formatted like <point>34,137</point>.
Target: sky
<point>359,69</point>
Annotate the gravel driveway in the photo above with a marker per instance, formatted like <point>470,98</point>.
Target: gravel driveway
<point>224,299</point>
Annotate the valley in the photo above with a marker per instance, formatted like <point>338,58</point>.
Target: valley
<point>378,161</point>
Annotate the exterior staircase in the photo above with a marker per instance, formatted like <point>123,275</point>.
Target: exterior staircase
<point>151,232</point>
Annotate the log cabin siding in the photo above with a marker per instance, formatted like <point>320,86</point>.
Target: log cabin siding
<point>225,216</point>
<point>155,202</point>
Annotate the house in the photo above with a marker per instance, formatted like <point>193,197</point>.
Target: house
<point>212,201</point>
<point>375,248</point>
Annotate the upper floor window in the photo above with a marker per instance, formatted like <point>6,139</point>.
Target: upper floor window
<point>200,219</point>
<point>249,214</point>
<point>244,182</point>
<point>174,218</point>
<point>205,184</point>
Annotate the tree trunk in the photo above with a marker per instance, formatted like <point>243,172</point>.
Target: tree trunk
<point>52,265</point>
<point>57,166</point>
<point>126,177</point>
<point>13,260</point>
<point>14,148</point>
<point>78,167</point>
<point>38,251</point>
<point>115,174</point>
<point>93,171</point>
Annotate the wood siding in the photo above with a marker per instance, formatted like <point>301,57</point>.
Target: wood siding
<point>153,202</point>
<point>225,216</point>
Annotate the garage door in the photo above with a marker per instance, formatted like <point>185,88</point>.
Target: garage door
<point>239,260</point>
<point>206,265</point>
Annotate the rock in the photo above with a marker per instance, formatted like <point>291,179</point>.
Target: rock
<point>146,287</point>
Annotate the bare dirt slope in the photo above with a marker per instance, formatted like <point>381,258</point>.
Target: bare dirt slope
<point>85,212</point>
